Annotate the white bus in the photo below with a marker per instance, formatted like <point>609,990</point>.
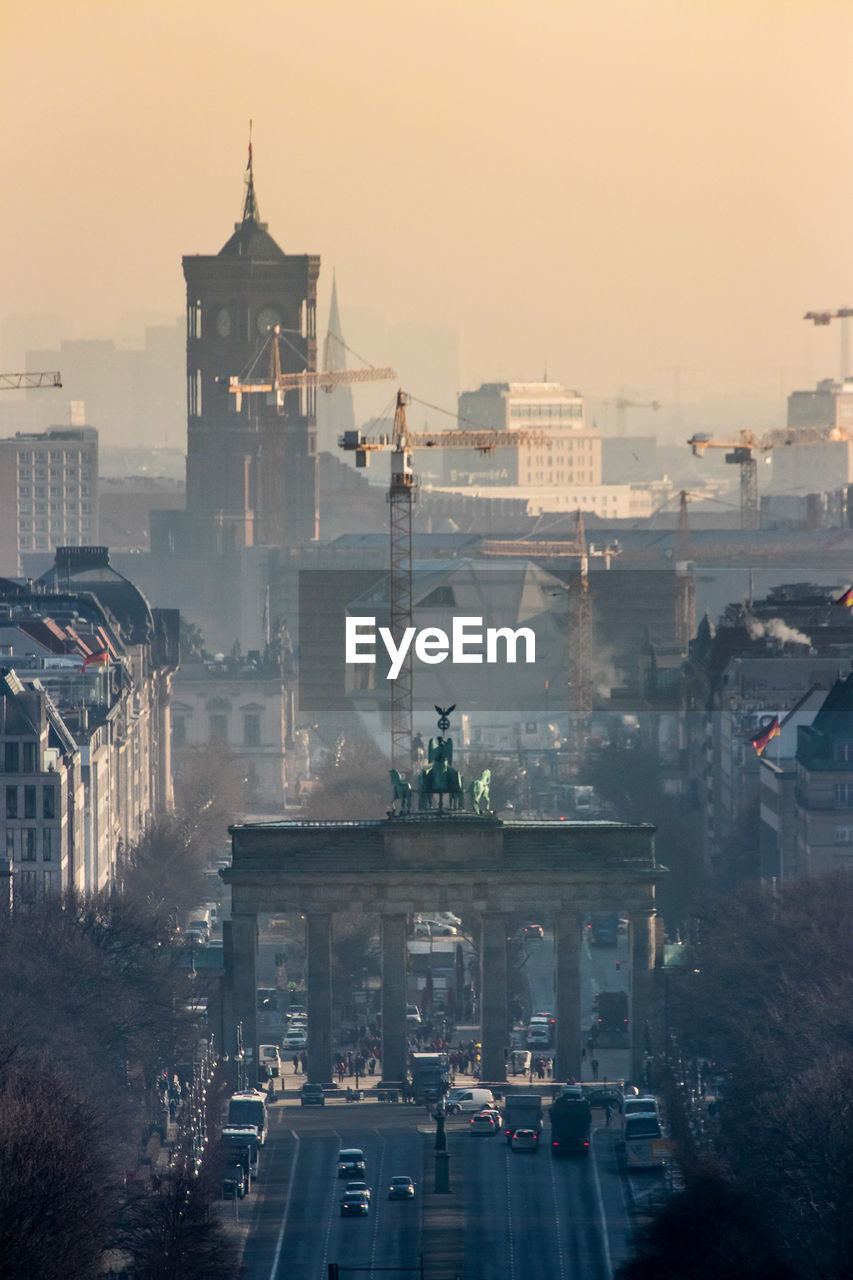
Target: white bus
<point>247,1109</point>
<point>643,1145</point>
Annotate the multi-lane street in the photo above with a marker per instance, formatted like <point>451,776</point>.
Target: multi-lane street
<point>523,1215</point>
<point>516,1214</point>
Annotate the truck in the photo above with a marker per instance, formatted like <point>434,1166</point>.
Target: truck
<point>522,1111</point>
<point>604,929</point>
<point>610,1028</point>
<point>430,1077</point>
<point>571,1121</point>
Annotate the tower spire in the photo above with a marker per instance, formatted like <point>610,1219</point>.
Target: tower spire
<point>250,204</point>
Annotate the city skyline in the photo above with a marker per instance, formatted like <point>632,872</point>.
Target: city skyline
<point>645,198</point>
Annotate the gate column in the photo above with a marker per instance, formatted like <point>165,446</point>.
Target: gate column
<point>642,965</point>
<point>394,1038</point>
<point>319,948</point>
<point>493,995</point>
<point>567,958</point>
<point>239,945</point>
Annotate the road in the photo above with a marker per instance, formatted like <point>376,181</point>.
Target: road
<point>523,1215</point>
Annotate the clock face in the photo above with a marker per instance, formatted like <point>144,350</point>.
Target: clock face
<point>223,322</point>
<point>268,318</point>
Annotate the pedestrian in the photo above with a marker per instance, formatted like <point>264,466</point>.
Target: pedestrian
<point>607,1110</point>
<point>303,1063</point>
<point>341,1071</point>
<point>295,1063</point>
<point>594,1065</point>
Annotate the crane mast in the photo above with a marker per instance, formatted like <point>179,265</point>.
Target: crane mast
<point>400,499</point>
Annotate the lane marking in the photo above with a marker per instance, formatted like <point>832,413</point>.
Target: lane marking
<point>557,1229</point>
<point>509,1219</point>
<point>375,1204</point>
<point>599,1199</point>
<point>280,1241</point>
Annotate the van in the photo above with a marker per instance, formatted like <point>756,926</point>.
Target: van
<point>640,1106</point>
<point>269,1062</point>
<point>459,1100</point>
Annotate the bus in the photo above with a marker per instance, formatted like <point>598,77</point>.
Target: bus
<point>247,1109</point>
<point>643,1145</point>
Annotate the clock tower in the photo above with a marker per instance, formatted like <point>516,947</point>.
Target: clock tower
<point>251,459</point>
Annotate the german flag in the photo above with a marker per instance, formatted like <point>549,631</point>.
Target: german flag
<point>846,599</point>
<point>767,734</point>
<point>99,659</point>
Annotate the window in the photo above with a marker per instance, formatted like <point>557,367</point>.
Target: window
<point>11,802</point>
<point>10,757</point>
<point>179,731</point>
<point>31,759</point>
<point>844,835</point>
<point>251,730</point>
<point>28,848</point>
<point>10,842</point>
<point>47,879</point>
<point>47,844</point>
<point>29,802</point>
<point>218,728</point>
<point>28,886</point>
<point>844,752</point>
<point>49,802</point>
<point>844,795</point>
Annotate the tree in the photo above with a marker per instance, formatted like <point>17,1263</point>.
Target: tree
<point>54,1154</point>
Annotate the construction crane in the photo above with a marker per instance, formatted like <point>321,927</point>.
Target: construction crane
<point>685,589</point>
<point>401,444</point>
<point>825,317</point>
<point>278,383</point>
<point>621,404</point>
<point>18,381</point>
<point>741,454</point>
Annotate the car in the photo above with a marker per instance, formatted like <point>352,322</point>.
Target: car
<point>357,1186</point>
<point>525,1140</point>
<point>483,1126</point>
<point>401,1188</point>
<point>350,1162</point>
<point>296,1039</point>
<point>413,1015</point>
<point>312,1095</point>
<point>355,1204</point>
<point>296,1011</point>
<point>494,1113</point>
<point>640,1106</point>
<point>469,1099</point>
<point>533,933</point>
<point>604,1097</point>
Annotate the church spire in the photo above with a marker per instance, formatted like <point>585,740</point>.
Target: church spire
<point>250,204</point>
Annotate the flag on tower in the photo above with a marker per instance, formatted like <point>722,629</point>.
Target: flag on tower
<point>770,731</point>
<point>846,599</point>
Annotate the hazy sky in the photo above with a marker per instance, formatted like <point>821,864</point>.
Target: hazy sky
<point>616,187</point>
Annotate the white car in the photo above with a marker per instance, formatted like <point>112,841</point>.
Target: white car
<point>297,1038</point>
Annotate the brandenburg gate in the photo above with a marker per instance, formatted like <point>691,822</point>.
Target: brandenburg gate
<point>470,863</point>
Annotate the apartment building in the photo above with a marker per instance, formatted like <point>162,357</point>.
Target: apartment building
<point>48,492</point>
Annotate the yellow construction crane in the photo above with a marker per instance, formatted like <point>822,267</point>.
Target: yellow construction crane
<point>401,444</point>
<point>19,381</point>
<point>741,454</point>
<point>277,383</point>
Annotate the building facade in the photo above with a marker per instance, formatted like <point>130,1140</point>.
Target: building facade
<point>86,741</point>
<point>48,492</point>
<point>570,456</point>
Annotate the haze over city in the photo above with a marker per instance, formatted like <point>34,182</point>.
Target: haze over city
<point>614,192</point>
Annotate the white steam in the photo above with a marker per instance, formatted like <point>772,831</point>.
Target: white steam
<point>776,629</point>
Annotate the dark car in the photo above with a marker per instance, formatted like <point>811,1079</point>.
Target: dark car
<point>604,1098</point>
<point>312,1095</point>
<point>355,1204</point>
<point>533,933</point>
<point>401,1188</point>
<point>350,1162</point>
